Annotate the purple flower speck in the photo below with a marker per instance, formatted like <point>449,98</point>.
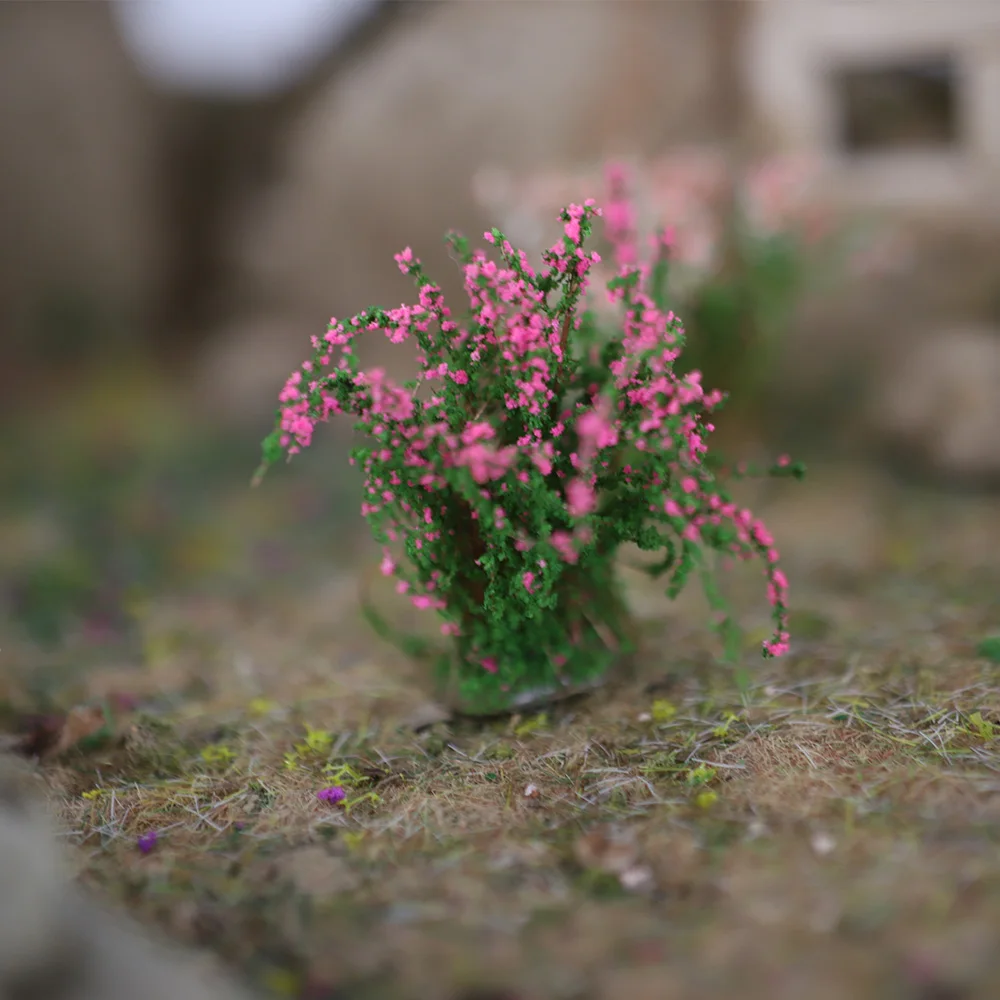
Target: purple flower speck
<point>147,841</point>
<point>332,795</point>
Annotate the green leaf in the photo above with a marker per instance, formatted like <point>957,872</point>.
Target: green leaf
<point>660,275</point>
<point>982,727</point>
<point>460,245</point>
<point>657,569</point>
<point>271,448</point>
<point>271,451</point>
<point>989,649</point>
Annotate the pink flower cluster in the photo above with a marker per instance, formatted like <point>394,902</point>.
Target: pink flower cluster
<point>684,193</point>
<point>492,469</point>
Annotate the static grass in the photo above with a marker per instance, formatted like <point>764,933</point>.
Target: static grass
<point>788,750</point>
<point>677,831</point>
<point>822,825</point>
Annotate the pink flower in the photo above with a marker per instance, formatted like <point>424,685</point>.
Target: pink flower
<point>562,542</point>
<point>580,498</point>
<point>484,463</point>
<point>405,260</point>
<point>596,430</point>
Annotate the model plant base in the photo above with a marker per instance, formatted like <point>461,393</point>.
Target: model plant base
<point>536,440</point>
<point>602,644</point>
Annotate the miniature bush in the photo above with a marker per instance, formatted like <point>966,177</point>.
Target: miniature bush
<point>502,480</point>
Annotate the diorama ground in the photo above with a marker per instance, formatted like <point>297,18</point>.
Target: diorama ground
<point>186,661</point>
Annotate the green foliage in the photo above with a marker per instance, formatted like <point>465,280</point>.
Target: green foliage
<point>534,442</point>
<point>989,648</point>
<point>738,316</point>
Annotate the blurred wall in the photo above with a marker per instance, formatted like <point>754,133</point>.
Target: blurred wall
<point>227,227</point>
<point>798,56</point>
<point>132,207</point>
<point>384,157</point>
<point>900,98</point>
<point>118,189</point>
<point>81,234</point>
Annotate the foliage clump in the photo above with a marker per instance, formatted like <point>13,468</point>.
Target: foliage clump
<point>502,480</point>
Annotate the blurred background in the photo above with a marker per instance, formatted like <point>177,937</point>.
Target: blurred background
<point>189,190</point>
